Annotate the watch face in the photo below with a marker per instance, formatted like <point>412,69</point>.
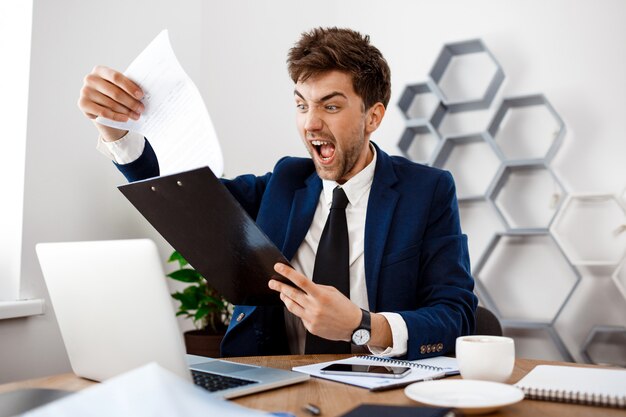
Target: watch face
<point>361,337</point>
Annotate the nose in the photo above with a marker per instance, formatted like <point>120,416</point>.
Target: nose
<point>313,121</point>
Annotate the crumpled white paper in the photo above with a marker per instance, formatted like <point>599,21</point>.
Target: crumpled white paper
<point>175,120</point>
<point>148,391</point>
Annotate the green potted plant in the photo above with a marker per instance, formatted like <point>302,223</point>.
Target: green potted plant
<point>199,301</point>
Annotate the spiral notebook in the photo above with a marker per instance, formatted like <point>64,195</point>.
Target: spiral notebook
<point>421,370</point>
<point>589,386</point>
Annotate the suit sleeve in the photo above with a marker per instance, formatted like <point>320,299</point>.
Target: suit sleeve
<point>247,189</point>
<point>445,289</point>
<point>146,166</point>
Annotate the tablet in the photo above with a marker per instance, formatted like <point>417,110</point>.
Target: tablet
<point>200,218</point>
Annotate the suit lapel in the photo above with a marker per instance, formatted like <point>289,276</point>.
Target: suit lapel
<point>302,210</point>
<point>380,209</point>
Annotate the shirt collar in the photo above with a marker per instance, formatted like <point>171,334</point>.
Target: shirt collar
<point>356,186</point>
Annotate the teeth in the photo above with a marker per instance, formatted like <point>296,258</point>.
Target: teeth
<point>322,143</point>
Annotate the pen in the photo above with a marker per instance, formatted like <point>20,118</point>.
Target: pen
<point>313,409</point>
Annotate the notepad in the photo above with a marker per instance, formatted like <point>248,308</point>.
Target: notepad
<point>421,370</point>
<point>590,386</point>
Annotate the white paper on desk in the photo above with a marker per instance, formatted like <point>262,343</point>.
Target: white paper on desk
<point>175,120</point>
<point>148,391</point>
<point>421,370</point>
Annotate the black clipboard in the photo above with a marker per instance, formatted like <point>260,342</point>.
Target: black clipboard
<point>200,218</point>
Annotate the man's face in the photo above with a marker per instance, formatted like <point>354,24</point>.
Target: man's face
<point>333,125</point>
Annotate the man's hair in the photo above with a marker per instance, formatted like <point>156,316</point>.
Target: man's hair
<point>326,49</point>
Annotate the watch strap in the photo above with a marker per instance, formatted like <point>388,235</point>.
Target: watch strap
<point>366,324</point>
<point>366,321</point>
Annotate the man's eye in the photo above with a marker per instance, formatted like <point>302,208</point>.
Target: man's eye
<point>301,107</point>
<point>332,108</point>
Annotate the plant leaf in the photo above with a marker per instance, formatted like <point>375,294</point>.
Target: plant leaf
<point>186,275</point>
<point>177,257</point>
<point>201,313</point>
<point>200,302</point>
<point>188,300</point>
<point>213,303</point>
<point>207,299</point>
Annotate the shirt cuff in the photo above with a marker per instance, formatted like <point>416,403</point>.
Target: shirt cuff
<point>399,334</point>
<point>125,150</point>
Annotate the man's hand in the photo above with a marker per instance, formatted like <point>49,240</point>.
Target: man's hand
<point>108,93</point>
<point>324,310</point>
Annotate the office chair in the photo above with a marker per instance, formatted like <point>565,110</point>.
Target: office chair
<point>487,323</point>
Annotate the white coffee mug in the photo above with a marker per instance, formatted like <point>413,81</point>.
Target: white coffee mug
<point>488,358</point>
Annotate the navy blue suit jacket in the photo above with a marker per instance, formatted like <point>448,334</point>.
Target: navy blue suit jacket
<point>416,258</point>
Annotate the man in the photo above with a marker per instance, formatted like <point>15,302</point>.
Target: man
<point>399,281</point>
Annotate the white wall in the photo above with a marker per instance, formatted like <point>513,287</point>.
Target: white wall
<point>235,51</point>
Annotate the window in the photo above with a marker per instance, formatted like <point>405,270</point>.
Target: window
<point>15,43</point>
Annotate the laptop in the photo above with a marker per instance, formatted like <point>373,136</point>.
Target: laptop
<point>115,313</point>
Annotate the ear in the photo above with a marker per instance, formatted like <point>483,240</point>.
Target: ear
<point>374,116</point>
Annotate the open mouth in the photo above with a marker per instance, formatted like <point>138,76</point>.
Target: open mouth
<point>324,149</point>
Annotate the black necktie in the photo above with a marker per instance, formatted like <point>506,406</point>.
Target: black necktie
<point>332,267</point>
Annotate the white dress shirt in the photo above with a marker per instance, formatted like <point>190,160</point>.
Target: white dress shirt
<point>124,150</point>
<point>357,189</point>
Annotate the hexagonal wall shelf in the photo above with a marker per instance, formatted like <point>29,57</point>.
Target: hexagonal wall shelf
<point>527,128</point>
<point>466,76</point>
<point>591,229</point>
<point>527,196</point>
<point>419,101</point>
<point>523,256</point>
<point>619,277</point>
<point>472,162</point>
<point>605,345</point>
<point>420,141</point>
<point>525,277</point>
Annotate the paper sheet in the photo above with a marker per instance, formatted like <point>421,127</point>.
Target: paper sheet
<point>148,391</point>
<point>175,120</point>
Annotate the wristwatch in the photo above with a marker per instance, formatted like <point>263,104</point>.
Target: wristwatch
<point>362,333</point>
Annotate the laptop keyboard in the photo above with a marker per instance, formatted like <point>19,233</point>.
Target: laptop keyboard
<point>217,382</point>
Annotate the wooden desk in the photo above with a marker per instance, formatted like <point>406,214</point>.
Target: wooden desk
<point>335,398</point>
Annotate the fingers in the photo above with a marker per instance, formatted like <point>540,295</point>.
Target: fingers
<point>110,94</point>
<point>107,95</point>
<point>300,280</point>
<point>293,298</point>
<point>292,306</point>
<point>93,109</point>
<point>120,80</point>
<point>288,291</point>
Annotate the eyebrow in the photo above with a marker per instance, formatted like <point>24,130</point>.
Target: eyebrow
<point>325,98</point>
